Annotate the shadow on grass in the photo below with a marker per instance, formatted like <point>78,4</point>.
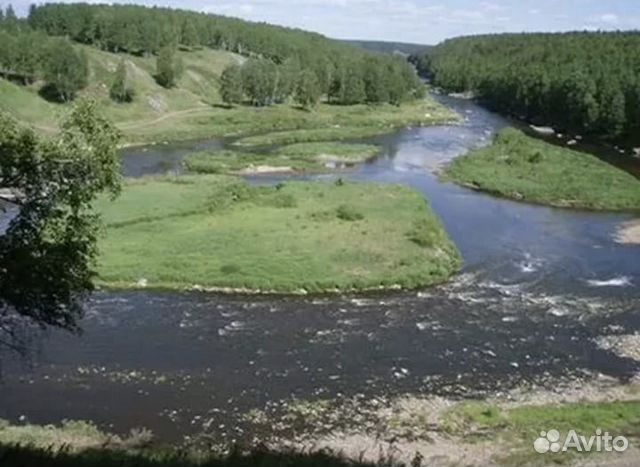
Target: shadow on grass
<point>51,94</point>
<point>22,456</point>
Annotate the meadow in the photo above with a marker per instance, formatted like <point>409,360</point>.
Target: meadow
<point>220,233</point>
<point>519,167</point>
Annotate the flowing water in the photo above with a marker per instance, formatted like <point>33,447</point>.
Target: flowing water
<point>539,285</point>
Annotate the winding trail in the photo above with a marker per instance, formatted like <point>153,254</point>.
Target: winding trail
<point>170,115</point>
<point>133,125</point>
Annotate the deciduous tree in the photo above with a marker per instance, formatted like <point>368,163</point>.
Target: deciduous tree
<point>47,252</point>
<point>231,90</point>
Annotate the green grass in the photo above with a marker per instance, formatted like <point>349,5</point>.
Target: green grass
<point>508,431</point>
<point>290,137</point>
<point>515,429</point>
<point>78,435</point>
<point>220,232</point>
<point>331,151</point>
<point>81,444</point>
<point>524,168</point>
<point>153,108</point>
<point>297,157</point>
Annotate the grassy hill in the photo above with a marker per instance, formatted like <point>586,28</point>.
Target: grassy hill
<point>193,109</point>
<point>196,92</point>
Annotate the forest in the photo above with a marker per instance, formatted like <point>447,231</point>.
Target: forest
<point>584,82</point>
<point>282,62</point>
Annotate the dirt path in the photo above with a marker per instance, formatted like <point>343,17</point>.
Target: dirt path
<point>162,118</point>
<point>135,124</point>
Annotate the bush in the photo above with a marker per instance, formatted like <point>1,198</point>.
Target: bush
<point>422,234</point>
<point>349,213</point>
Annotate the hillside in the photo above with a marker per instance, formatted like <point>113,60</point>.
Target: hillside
<point>582,82</point>
<point>163,74</point>
<point>196,92</point>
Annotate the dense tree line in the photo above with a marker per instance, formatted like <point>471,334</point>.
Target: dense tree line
<point>584,81</point>
<point>278,55</point>
<point>27,55</point>
<point>369,79</point>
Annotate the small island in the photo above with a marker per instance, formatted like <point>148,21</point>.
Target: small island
<point>519,167</point>
<point>301,157</point>
<point>219,233</point>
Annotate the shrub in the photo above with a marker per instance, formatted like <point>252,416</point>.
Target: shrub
<point>349,213</point>
<point>422,234</point>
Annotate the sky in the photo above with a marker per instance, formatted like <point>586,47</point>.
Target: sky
<point>418,21</point>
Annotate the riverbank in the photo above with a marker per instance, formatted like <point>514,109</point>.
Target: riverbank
<point>499,430</point>
<point>325,122</point>
<point>222,234</point>
<point>303,157</point>
<point>406,430</point>
<point>526,169</point>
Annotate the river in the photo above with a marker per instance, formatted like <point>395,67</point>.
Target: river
<point>538,286</point>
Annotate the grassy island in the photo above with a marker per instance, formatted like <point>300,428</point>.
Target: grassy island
<point>523,168</point>
<point>294,158</point>
<point>220,233</point>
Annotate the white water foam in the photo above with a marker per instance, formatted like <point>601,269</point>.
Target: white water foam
<point>530,264</point>
<point>622,281</point>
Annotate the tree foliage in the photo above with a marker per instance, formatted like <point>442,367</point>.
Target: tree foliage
<point>120,90</point>
<point>66,71</point>
<point>585,82</point>
<point>47,252</point>
<point>276,54</point>
<point>231,89</point>
<point>307,92</point>
<point>168,67</point>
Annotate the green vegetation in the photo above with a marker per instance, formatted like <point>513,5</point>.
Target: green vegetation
<point>501,432</point>
<point>75,435</point>
<point>192,109</point>
<point>231,89</point>
<point>307,91</point>
<point>341,71</point>
<point>389,47</point>
<point>516,428</point>
<point>155,113</point>
<point>586,82</point>
<point>82,444</point>
<point>312,135</point>
<point>297,157</point>
<point>156,74</point>
<point>120,90</point>
<point>66,70</point>
<point>524,168</point>
<point>48,250</point>
<point>331,152</point>
<point>220,232</point>
<point>168,67</point>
